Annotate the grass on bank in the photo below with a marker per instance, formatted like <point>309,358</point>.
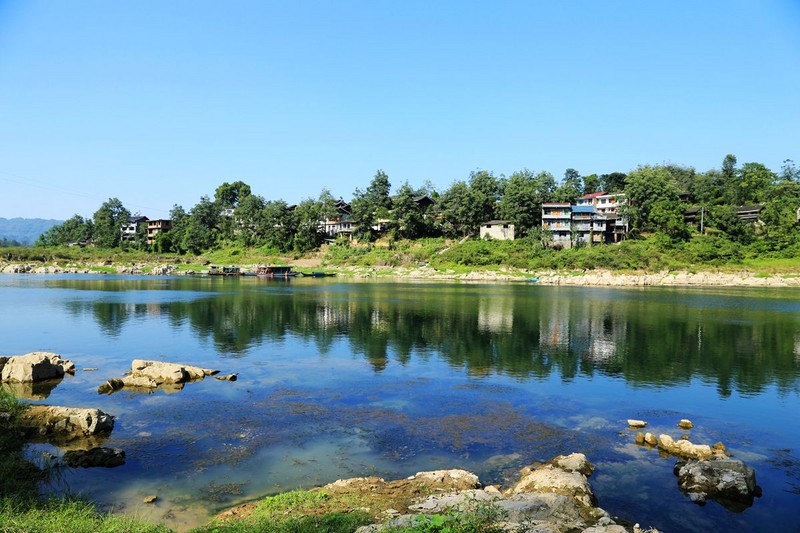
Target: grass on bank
<point>655,253</point>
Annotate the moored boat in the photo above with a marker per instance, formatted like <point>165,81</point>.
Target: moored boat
<point>275,271</point>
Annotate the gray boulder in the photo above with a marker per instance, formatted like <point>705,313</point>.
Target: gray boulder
<point>65,424</point>
<point>729,482</point>
<point>35,366</point>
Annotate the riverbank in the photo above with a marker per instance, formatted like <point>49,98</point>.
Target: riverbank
<point>598,277</point>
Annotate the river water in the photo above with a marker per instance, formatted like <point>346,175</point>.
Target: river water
<point>341,379</point>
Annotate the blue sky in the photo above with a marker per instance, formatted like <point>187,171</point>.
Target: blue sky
<point>157,103</point>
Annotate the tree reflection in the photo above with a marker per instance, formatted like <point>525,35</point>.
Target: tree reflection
<point>649,338</point>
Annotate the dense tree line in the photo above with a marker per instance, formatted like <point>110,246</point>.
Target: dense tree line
<point>657,197</point>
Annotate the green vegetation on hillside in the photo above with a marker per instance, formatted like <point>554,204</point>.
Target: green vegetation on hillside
<point>657,198</point>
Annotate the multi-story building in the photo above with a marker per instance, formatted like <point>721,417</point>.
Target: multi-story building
<point>156,226</point>
<point>593,220</point>
<point>557,219</point>
<point>129,229</point>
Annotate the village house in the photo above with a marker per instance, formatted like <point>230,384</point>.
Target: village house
<point>156,226</point>
<point>594,219</point>
<point>557,219</point>
<point>130,228</point>
<point>501,230</point>
<point>341,224</point>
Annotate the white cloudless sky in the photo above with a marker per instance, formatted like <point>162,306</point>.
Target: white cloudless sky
<point>158,103</point>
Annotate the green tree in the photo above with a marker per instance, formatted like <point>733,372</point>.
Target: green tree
<point>308,235</point>
<point>645,188</point>
<point>727,184</point>
<point>278,226</point>
<point>484,192</point>
<point>753,183</point>
<point>522,201</point>
<point>75,229</point>
<point>454,205</point>
<point>614,182</point>
<point>570,189</point>
<point>408,220</point>
<point>249,216</point>
<point>591,183</point>
<point>107,223</point>
<point>229,195</point>
<point>371,205</point>
<point>200,228</point>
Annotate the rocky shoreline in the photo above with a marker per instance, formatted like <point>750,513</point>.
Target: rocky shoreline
<point>548,498</point>
<point>600,278</point>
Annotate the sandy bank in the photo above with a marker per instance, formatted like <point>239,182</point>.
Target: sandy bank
<point>606,278</point>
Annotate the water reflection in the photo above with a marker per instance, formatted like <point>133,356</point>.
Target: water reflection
<point>650,338</point>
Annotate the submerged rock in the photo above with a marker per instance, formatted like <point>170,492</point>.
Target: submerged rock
<point>684,448</point>
<point>95,457</point>
<point>148,376</point>
<point>34,366</point>
<point>730,482</point>
<point>228,377</point>
<point>62,425</point>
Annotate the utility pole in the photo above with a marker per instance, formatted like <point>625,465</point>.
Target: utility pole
<point>702,213</point>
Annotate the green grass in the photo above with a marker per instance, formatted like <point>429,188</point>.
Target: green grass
<point>295,512</point>
<point>60,516</point>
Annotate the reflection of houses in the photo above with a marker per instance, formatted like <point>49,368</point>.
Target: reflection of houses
<point>156,226</point>
<point>557,219</point>
<point>131,227</point>
<point>496,315</point>
<point>502,230</point>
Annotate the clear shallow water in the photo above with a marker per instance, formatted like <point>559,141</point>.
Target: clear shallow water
<point>342,379</point>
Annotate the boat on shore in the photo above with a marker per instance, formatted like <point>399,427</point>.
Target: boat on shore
<point>318,274</point>
<point>215,270</point>
<point>275,271</point>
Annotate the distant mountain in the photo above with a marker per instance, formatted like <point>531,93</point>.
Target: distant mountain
<point>25,230</point>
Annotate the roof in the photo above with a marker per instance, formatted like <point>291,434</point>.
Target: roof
<point>593,195</point>
<point>750,208</point>
<point>556,204</point>
<point>496,222</point>
<point>137,218</point>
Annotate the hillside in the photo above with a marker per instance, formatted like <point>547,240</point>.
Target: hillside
<point>25,230</point>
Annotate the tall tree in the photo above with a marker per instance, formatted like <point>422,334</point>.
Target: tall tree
<point>570,188</point>
<point>229,195</point>
<point>108,222</point>
<point>522,201</point>
<point>455,208</point>
<point>754,181</point>
<point>651,199</point>
<point>73,230</point>
<point>614,182</point>
<point>591,183</point>
<point>249,217</point>
<point>408,221</point>
<point>371,205</point>
<point>484,191</point>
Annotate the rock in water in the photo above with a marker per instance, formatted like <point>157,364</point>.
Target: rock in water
<point>730,482</point>
<point>685,424</point>
<point>35,366</point>
<point>96,457</point>
<point>636,424</point>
